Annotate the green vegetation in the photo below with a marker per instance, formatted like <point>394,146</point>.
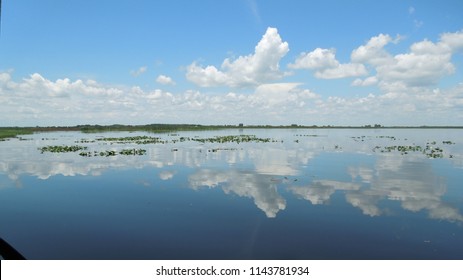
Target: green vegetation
<point>429,151</point>
<point>133,139</point>
<point>154,128</point>
<point>11,132</point>
<point>76,148</point>
<point>61,149</point>
<point>143,139</point>
<point>234,138</point>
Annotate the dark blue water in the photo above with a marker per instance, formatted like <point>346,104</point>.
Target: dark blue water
<point>329,196</point>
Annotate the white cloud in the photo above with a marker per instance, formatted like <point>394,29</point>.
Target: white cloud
<point>373,51</point>
<point>260,67</point>
<point>38,101</point>
<point>453,40</point>
<point>408,83</point>
<point>326,65</point>
<point>423,66</point>
<point>317,59</point>
<point>342,71</point>
<point>281,94</point>
<point>365,82</point>
<point>139,71</point>
<point>165,80</point>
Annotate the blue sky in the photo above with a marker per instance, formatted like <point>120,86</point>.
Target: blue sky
<point>225,62</point>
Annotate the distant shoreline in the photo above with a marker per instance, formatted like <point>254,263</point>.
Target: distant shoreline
<point>11,132</point>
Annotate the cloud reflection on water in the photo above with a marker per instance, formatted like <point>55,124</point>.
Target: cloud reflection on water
<point>320,191</point>
<point>409,181</point>
<point>260,172</point>
<point>257,186</point>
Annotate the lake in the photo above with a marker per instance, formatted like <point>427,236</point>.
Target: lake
<point>261,194</point>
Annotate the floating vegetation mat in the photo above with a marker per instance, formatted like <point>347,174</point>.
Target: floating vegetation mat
<point>62,149</point>
<point>235,139</point>
<point>143,140</point>
<point>85,153</point>
<point>139,140</point>
<point>430,149</point>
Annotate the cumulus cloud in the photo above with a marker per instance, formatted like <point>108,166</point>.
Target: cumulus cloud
<point>365,82</point>
<point>342,71</point>
<point>36,100</point>
<point>63,101</point>
<point>282,94</point>
<point>453,40</point>
<point>326,65</point>
<point>423,66</point>
<point>165,80</point>
<point>408,94</point>
<point>317,59</point>
<point>373,51</point>
<point>260,67</point>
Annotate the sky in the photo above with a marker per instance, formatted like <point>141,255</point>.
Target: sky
<point>277,62</point>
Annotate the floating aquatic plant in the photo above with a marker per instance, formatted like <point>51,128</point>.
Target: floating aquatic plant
<point>62,149</point>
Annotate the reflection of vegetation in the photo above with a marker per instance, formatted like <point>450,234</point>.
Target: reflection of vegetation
<point>308,135</point>
<point>132,152</point>
<point>221,149</point>
<point>125,152</point>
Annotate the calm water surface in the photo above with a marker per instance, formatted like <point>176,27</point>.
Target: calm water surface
<point>305,194</point>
